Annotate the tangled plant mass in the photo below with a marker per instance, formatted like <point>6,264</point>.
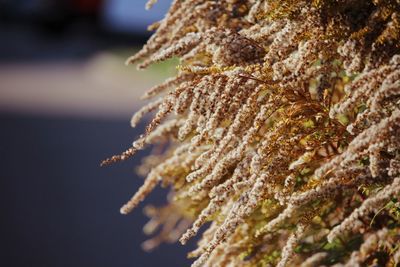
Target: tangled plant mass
<point>279,135</point>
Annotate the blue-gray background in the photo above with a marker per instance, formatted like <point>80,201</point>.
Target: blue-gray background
<point>58,207</point>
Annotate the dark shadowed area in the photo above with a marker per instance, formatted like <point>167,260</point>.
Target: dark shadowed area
<point>65,104</point>
<point>59,208</point>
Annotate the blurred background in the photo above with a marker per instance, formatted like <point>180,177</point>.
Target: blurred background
<point>66,98</point>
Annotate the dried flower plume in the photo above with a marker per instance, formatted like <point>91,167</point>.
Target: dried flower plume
<point>282,129</point>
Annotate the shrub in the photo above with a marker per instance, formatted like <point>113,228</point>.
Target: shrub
<point>281,128</point>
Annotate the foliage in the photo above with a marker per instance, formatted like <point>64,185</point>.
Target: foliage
<point>281,129</point>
